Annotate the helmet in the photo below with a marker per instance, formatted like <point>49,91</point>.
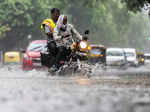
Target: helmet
<point>50,23</point>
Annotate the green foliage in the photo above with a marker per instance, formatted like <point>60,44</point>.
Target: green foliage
<point>135,5</point>
<point>109,21</point>
<point>138,29</point>
<point>4,29</point>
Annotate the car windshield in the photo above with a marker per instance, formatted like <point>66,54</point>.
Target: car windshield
<point>95,51</point>
<point>36,47</point>
<point>147,57</point>
<point>130,54</point>
<point>115,53</point>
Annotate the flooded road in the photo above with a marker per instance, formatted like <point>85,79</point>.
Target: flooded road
<point>105,91</point>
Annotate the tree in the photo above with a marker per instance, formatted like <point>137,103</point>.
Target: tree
<point>136,5</point>
<point>109,21</point>
<point>21,18</point>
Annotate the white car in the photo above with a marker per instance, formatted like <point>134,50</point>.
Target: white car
<point>147,58</point>
<point>115,57</point>
<point>131,56</point>
<point>1,57</point>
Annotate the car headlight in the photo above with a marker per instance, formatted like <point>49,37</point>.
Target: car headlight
<point>83,45</point>
<point>136,62</point>
<point>26,57</point>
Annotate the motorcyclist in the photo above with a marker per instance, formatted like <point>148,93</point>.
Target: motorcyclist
<point>64,34</point>
<point>47,27</point>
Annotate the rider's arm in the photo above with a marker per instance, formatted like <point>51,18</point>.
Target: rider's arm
<point>56,35</point>
<point>75,32</point>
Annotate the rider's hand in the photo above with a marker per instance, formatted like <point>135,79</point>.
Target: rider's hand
<point>62,37</point>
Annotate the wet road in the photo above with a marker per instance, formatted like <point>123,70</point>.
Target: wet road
<point>105,91</point>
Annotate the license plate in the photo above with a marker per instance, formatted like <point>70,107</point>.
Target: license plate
<point>36,64</point>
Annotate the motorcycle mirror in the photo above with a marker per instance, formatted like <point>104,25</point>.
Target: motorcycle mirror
<point>86,32</point>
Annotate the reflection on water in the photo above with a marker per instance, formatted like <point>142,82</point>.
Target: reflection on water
<point>34,91</point>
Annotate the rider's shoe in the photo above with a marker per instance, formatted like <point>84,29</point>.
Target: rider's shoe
<point>53,69</point>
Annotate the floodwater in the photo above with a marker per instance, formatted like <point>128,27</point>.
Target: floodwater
<point>111,90</point>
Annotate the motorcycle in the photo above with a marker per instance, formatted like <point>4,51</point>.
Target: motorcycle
<point>71,61</point>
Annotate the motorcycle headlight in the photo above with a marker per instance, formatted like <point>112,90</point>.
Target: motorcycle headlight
<point>83,45</point>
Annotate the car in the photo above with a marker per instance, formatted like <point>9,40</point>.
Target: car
<point>1,57</point>
<point>31,57</point>
<point>115,57</point>
<point>147,58</point>
<point>97,53</point>
<point>12,57</point>
<point>131,55</point>
<point>141,58</point>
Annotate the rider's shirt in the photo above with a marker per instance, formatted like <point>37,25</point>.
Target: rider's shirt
<point>66,35</point>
